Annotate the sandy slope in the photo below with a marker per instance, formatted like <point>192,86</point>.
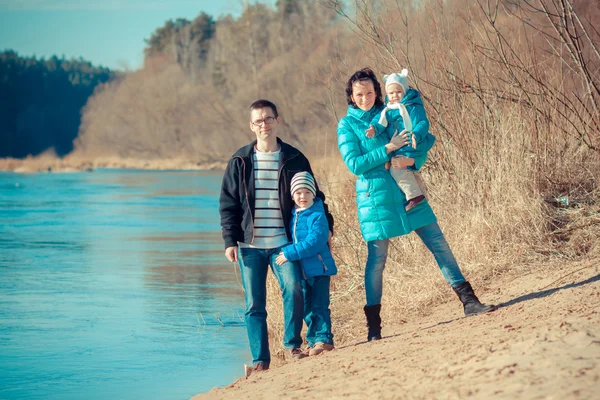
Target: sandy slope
<point>543,343</point>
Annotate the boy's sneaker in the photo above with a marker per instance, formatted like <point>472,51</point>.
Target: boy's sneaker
<point>248,370</point>
<point>297,353</point>
<point>320,347</point>
<point>412,203</point>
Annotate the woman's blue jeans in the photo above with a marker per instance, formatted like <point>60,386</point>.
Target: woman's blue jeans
<point>254,265</point>
<point>316,310</point>
<point>433,238</point>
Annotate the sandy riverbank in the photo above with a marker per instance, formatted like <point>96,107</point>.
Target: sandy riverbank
<point>542,343</point>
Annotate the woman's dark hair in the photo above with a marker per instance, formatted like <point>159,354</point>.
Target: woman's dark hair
<point>362,75</point>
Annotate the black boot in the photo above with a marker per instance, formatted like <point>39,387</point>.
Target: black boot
<point>373,322</point>
<point>470,301</point>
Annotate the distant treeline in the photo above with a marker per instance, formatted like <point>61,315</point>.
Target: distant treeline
<point>189,100</point>
<point>200,75</point>
<point>41,101</point>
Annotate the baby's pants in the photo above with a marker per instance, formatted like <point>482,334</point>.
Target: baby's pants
<point>410,182</point>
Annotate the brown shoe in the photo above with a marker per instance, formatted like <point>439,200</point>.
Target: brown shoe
<point>412,203</point>
<point>248,370</point>
<point>297,353</point>
<point>320,347</point>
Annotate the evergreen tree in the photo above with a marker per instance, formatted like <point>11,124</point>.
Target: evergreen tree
<point>41,101</point>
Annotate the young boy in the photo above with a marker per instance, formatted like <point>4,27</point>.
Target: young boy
<point>310,233</point>
<point>406,112</point>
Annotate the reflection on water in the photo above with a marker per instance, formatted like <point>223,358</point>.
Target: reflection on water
<point>114,285</point>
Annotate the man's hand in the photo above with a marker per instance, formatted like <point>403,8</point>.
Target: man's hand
<point>231,253</point>
<point>414,141</point>
<point>370,132</point>
<point>280,260</point>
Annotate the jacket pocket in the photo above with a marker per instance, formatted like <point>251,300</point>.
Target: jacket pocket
<point>322,261</point>
<point>362,185</point>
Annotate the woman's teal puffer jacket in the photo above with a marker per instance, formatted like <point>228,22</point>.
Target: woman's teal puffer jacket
<point>380,202</point>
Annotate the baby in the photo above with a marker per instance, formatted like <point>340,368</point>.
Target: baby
<point>405,112</point>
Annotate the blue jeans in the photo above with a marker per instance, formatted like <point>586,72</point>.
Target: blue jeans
<point>316,310</point>
<point>254,264</point>
<point>433,238</point>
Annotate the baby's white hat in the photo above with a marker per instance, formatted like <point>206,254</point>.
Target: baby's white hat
<point>401,79</point>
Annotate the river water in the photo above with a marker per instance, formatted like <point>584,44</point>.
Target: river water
<point>113,284</point>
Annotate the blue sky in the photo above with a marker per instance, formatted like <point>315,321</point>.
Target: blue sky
<point>106,32</point>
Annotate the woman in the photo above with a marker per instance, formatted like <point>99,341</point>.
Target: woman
<point>381,204</point>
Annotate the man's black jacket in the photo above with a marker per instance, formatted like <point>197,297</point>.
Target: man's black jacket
<point>237,201</point>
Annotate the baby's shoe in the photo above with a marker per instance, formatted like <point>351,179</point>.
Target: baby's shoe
<point>412,203</point>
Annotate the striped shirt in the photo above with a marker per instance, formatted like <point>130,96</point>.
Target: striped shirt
<point>269,231</point>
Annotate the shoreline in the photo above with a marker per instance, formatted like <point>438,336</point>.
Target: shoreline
<point>47,164</point>
<point>541,342</point>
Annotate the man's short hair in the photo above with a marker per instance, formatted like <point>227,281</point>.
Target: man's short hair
<point>258,104</point>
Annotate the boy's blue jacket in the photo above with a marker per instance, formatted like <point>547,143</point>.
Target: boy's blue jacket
<point>310,232</point>
<point>416,110</point>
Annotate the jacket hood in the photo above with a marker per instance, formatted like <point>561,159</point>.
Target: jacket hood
<point>412,97</point>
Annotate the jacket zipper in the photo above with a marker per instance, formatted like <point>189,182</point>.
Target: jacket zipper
<point>247,197</point>
<point>294,237</point>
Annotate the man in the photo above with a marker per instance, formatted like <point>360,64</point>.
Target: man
<point>255,207</point>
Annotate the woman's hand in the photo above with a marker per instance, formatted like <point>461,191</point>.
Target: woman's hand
<point>398,140</point>
<point>280,260</point>
<point>402,162</point>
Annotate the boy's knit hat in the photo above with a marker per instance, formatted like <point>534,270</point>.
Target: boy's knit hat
<point>401,79</point>
<point>303,180</point>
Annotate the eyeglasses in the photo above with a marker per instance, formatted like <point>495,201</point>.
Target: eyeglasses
<point>259,122</point>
